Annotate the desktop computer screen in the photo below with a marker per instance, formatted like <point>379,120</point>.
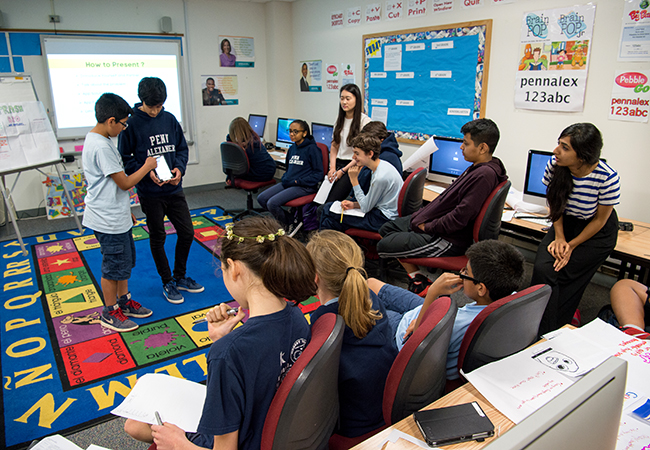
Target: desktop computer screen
<point>448,159</point>
<point>537,161</point>
<point>257,123</point>
<point>322,133</point>
<point>282,139</point>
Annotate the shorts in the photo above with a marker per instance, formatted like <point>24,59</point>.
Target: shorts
<point>118,255</point>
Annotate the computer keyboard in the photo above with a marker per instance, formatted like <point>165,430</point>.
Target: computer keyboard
<point>538,220</point>
<point>434,188</point>
<point>278,154</point>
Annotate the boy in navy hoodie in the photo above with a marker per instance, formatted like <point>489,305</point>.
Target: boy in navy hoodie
<point>152,131</point>
<point>304,171</point>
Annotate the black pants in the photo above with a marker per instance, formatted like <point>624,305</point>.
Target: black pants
<point>176,209</point>
<point>571,281</point>
<point>342,187</point>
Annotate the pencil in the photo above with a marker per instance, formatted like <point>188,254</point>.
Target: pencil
<point>158,419</point>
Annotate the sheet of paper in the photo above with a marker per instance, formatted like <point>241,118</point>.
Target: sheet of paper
<point>507,216</point>
<point>380,114</point>
<point>336,208</point>
<point>55,442</point>
<point>96,447</point>
<point>323,191</point>
<point>396,440</point>
<point>392,57</point>
<point>421,156</point>
<point>177,401</point>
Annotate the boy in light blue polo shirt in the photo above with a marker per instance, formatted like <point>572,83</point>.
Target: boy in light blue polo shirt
<point>494,270</point>
<point>108,211</point>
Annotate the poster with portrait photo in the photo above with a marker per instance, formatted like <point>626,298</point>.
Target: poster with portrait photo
<point>311,76</point>
<point>219,90</point>
<point>236,51</point>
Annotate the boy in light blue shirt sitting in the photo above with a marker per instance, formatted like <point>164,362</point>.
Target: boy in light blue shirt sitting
<point>495,270</point>
<point>108,211</point>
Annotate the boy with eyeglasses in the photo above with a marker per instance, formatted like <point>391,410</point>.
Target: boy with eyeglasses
<point>108,211</point>
<point>494,270</point>
<point>155,132</point>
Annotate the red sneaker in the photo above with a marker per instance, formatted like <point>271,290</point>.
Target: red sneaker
<point>635,332</point>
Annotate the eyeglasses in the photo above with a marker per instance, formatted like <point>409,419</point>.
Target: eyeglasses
<point>124,124</point>
<point>463,275</point>
<point>295,131</point>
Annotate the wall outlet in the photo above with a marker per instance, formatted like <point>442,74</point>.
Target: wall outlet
<point>55,19</point>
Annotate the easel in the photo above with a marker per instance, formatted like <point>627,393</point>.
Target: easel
<point>6,194</point>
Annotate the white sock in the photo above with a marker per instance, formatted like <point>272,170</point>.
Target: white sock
<point>413,274</point>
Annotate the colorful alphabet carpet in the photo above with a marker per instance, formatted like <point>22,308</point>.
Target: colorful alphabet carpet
<point>61,370</point>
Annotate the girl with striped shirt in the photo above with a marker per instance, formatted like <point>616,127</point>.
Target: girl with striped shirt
<point>581,194</point>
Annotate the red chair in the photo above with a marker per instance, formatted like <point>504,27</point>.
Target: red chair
<point>487,225</point>
<point>408,201</point>
<point>299,202</point>
<point>305,407</point>
<point>234,162</point>
<point>418,375</point>
<point>503,328</point>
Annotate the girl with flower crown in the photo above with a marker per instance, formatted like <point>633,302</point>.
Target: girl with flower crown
<point>261,267</point>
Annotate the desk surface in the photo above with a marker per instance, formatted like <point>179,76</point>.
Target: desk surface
<point>464,394</point>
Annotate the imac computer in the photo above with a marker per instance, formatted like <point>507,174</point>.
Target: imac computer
<point>322,133</point>
<point>282,139</point>
<point>534,188</point>
<point>448,160</point>
<point>257,123</point>
<point>586,415</point>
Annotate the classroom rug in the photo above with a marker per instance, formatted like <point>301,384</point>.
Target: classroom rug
<point>62,371</point>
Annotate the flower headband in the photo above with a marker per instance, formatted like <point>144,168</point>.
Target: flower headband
<point>261,238</point>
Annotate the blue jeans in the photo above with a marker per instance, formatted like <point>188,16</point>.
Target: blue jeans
<point>397,302</point>
<point>274,197</point>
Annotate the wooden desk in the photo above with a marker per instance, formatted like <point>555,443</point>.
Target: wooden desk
<point>464,394</point>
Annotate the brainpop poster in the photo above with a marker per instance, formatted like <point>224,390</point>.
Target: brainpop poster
<point>554,58</point>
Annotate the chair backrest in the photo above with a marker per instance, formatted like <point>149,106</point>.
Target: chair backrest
<point>305,408</point>
<point>234,160</point>
<point>326,157</point>
<point>503,328</point>
<point>488,222</point>
<point>418,375</point>
<point>410,196</point>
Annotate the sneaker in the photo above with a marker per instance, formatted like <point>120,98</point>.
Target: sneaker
<point>172,294</point>
<point>131,308</point>
<point>576,321</point>
<point>419,283</point>
<point>114,319</point>
<point>635,332</point>
<point>189,285</point>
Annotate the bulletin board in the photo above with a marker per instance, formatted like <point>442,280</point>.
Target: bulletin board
<point>427,81</point>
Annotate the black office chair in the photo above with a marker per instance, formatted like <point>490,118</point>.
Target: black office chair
<point>234,162</point>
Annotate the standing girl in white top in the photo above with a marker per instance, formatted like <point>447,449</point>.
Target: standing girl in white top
<point>349,123</point>
<point>581,193</point>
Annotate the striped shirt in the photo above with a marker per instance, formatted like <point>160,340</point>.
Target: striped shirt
<point>600,187</point>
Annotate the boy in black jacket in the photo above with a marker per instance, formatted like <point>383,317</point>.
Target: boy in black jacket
<point>152,131</point>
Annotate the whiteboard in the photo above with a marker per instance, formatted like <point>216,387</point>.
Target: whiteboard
<point>17,89</point>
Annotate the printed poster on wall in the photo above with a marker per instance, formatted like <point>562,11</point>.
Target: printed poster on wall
<point>311,78</point>
<point>635,32</point>
<point>373,13</point>
<point>336,19</point>
<point>331,78</point>
<point>416,8</point>
<point>469,4</point>
<point>225,92</point>
<point>630,96</point>
<point>348,74</point>
<point>236,51</point>
<point>440,6</point>
<point>393,10</point>
<point>554,58</point>
<point>354,16</point>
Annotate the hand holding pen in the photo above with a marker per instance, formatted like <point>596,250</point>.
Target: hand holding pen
<point>221,321</point>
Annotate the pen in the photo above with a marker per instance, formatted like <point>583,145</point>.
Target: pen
<point>158,419</point>
<point>230,312</point>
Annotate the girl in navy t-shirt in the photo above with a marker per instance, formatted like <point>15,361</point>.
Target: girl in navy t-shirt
<point>261,267</point>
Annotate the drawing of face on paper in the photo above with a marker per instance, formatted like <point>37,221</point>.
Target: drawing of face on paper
<point>558,361</point>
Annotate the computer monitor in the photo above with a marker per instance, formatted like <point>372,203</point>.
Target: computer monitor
<point>534,188</point>
<point>322,133</point>
<point>448,160</point>
<point>257,123</point>
<point>586,415</point>
<point>282,139</point>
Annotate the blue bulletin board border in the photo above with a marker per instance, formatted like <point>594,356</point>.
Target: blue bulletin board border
<point>482,29</point>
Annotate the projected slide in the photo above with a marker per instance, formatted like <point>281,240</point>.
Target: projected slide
<point>80,71</point>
